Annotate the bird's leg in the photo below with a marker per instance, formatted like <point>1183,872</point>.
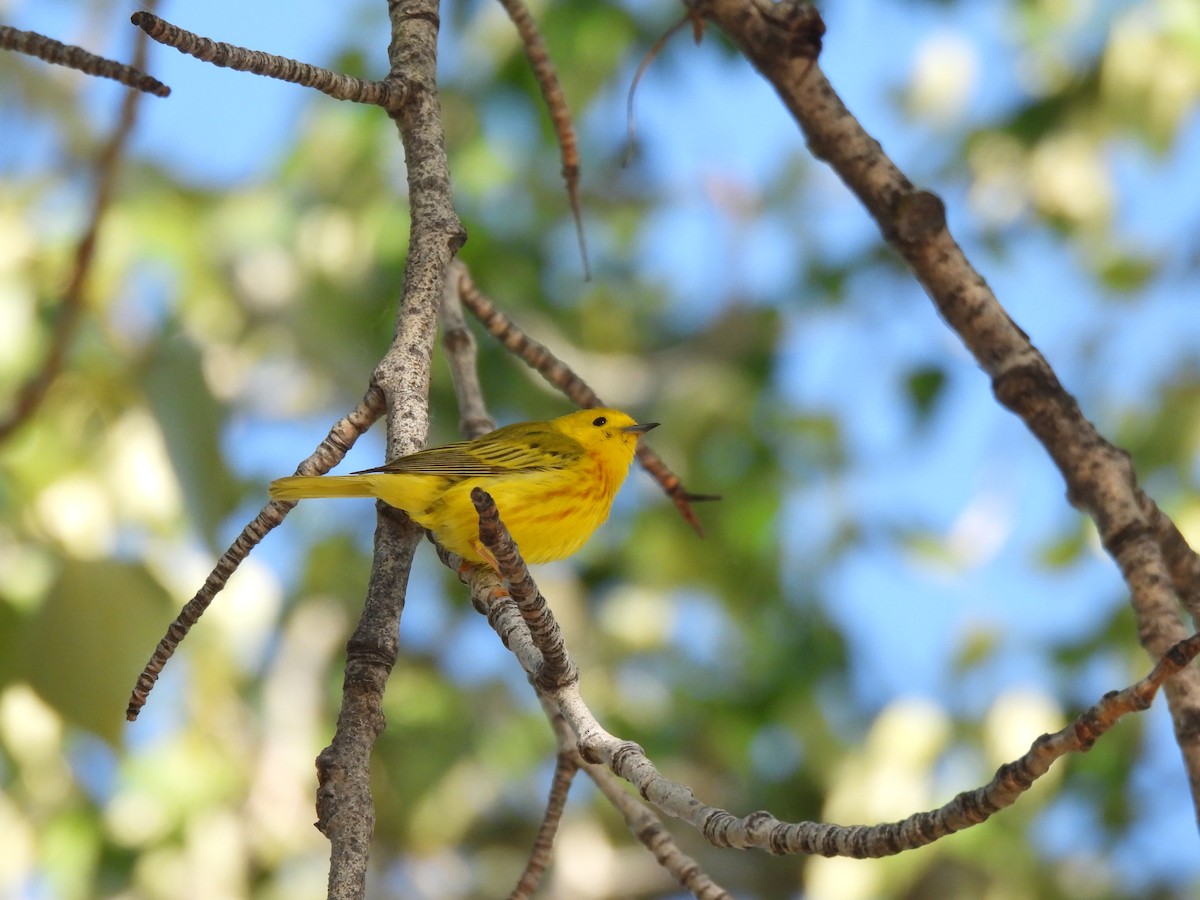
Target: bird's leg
<point>487,557</point>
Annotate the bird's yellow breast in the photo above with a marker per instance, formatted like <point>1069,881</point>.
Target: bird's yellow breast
<point>550,514</point>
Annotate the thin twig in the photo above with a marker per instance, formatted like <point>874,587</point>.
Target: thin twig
<point>560,114</point>
<point>328,454</point>
<point>651,55</point>
<point>389,93</point>
<point>31,394</point>
<point>539,358</point>
<point>45,48</point>
<point>653,835</point>
<point>566,765</point>
<point>459,344</point>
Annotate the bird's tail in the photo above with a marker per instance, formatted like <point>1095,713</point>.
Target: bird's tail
<point>301,487</point>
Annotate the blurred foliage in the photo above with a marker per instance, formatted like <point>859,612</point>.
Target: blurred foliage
<point>229,324</point>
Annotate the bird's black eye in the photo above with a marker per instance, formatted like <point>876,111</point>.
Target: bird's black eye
<point>599,420</point>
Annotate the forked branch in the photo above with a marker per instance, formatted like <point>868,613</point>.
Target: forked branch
<point>390,93</point>
<point>761,830</point>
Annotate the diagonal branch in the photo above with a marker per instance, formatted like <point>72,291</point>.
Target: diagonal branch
<point>390,93</point>
<point>783,41</point>
<point>45,48</point>
<point>650,831</point>
<point>539,358</point>
<point>560,113</point>
<point>761,830</point>
<point>328,454</point>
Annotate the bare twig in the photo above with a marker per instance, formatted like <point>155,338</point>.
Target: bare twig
<point>328,454</point>
<point>33,44</point>
<point>390,93</point>
<point>30,395</point>
<point>345,809</point>
<point>653,835</point>
<point>560,114</point>
<point>459,344</point>
<point>566,765</point>
<point>651,55</point>
<point>539,358</point>
<point>783,41</point>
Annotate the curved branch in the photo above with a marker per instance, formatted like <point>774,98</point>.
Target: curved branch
<point>761,830</point>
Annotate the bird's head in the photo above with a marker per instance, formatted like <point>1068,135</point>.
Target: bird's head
<point>605,431</point>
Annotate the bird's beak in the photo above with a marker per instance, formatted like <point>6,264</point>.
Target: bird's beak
<point>639,429</point>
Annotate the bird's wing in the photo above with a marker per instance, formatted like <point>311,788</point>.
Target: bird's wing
<point>525,447</point>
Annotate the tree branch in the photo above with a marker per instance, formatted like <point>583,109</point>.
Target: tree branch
<point>345,808</point>
<point>49,50</point>
<point>783,41</point>
<point>557,668</point>
<point>560,113</point>
<point>566,765</point>
<point>653,835</point>
<point>459,344</point>
<point>389,93</point>
<point>761,830</point>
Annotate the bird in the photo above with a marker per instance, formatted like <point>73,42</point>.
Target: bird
<point>553,483</point>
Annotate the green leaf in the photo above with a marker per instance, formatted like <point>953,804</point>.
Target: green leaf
<point>82,648</point>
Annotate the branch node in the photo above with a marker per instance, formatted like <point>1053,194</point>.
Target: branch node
<point>918,217</point>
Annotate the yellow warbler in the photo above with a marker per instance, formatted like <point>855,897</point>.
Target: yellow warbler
<point>553,482</point>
